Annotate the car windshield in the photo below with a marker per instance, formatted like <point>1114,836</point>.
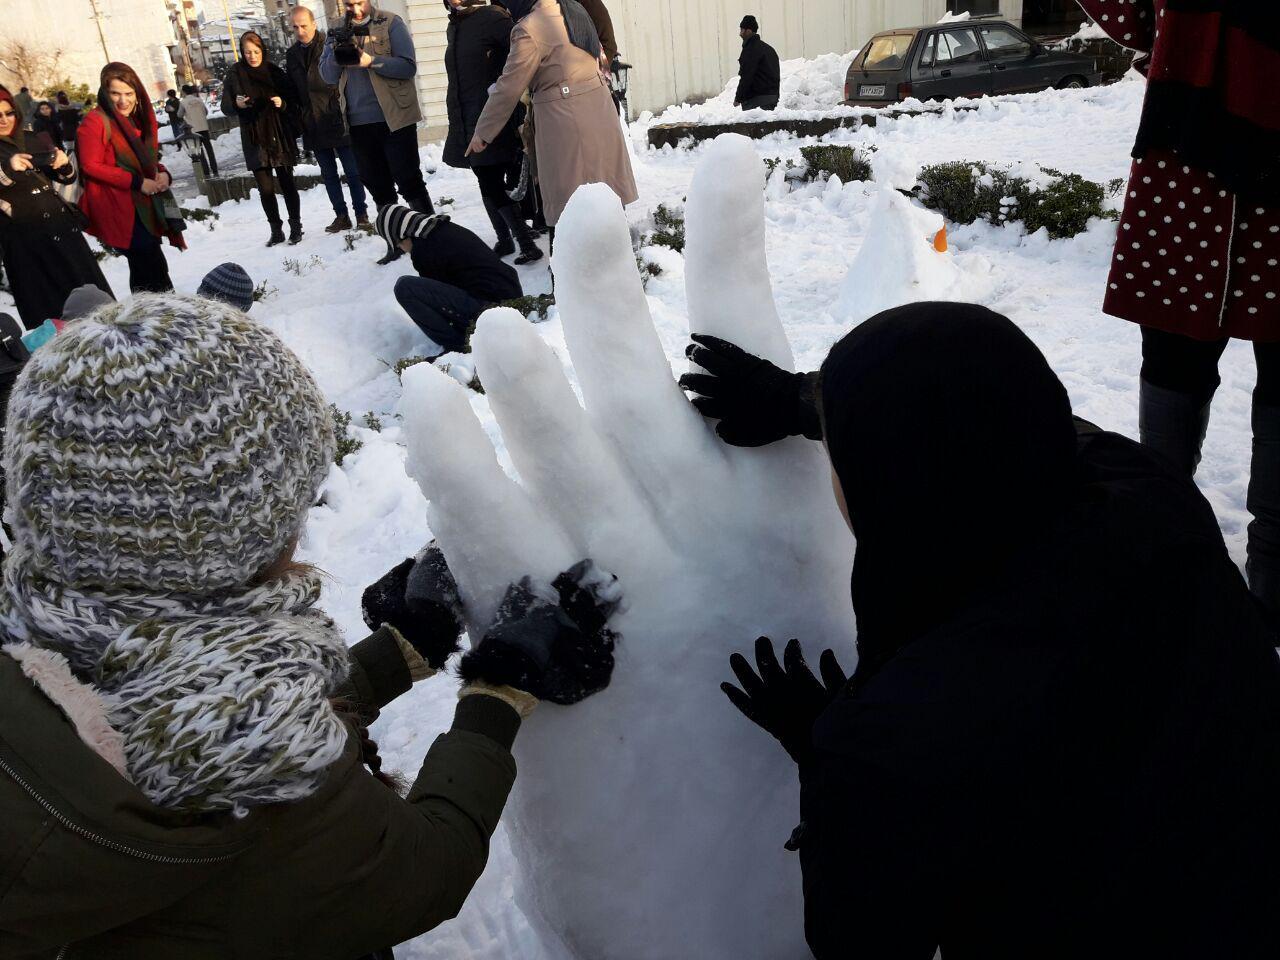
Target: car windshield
<point>888,52</point>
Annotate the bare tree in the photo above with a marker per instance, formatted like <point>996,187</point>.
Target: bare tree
<point>28,65</point>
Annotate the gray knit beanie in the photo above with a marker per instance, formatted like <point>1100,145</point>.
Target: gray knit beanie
<point>166,443</point>
<point>229,283</point>
<point>83,300</point>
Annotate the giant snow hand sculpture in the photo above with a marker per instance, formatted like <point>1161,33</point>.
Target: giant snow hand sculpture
<point>648,821</point>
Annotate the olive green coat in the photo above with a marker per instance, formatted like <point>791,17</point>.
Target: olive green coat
<point>89,868</point>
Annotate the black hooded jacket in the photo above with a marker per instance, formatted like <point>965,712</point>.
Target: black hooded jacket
<point>1063,736</point>
<point>759,74</point>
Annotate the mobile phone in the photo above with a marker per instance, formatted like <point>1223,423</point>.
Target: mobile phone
<point>43,158</point>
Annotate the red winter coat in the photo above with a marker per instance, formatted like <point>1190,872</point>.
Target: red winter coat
<point>1198,251</point>
<point>108,190</point>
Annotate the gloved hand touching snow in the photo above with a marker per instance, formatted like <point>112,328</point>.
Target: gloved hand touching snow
<point>420,600</point>
<point>557,646</point>
<point>756,402</point>
<point>784,700</point>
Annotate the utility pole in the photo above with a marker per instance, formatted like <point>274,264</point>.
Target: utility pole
<point>102,39</point>
<point>235,52</point>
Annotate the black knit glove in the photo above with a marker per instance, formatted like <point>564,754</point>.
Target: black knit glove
<point>559,649</point>
<point>420,599</point>
<point>755,401</point>
<point>785,700</point>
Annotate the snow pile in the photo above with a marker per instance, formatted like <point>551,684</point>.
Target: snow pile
<point>653,799</point>
<point>950,17</point>
<point>898,263</point>
<point>809,88</point>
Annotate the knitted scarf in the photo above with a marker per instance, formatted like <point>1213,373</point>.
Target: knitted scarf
<point>136,152</point>
<point>222,702</point>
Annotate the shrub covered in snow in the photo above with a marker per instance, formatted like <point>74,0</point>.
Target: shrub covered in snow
<point>670,228</point>
<point>346,443</point>
<point>847,163</point>
<point>1062,203</point>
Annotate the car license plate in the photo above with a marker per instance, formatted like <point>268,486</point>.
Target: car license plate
<point>869,90</point>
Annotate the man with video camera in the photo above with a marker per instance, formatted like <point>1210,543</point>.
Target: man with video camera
<point>370,57</point>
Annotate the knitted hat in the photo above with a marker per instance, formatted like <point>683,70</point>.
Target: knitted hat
<point>83,300</point>
<point>229,283</point>
<point>396,222</point>
<point>167,443</point>
<point>749,23</point>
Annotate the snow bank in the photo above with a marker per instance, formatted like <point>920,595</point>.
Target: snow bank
<point>809,89</point>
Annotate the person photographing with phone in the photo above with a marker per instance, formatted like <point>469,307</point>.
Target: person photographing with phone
<point>44,252</point>
<point>371,60</point>
<point>126,188</point>
<point>264,99</point>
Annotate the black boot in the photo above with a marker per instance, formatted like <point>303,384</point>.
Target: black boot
<point>295,232</point>
<point>1173,424</point>
<point>1263,501</point>
<point>277,233</point>
<point>505,246</point>
<point>529,249</point>
<point>422,204</point>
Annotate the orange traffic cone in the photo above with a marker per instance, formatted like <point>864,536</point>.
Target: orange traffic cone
<point>940,240</point>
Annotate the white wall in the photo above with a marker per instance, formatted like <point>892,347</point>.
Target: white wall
<point>137,32</point>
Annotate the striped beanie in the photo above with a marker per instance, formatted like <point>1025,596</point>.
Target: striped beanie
<point>166,443</point>
<point>397,222</point>
<point>229,283</point>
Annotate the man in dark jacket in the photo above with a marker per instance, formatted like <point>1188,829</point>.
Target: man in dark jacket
<point>1062,739</point>
<point>759,76</point>
<point>172,105</point>
<point>459,276</point>
<point>324,129</point>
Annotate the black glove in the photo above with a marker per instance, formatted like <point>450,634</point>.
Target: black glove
<point>785,702</point>
<point>420,599</point>
<point>558,650</point>
<point>755,401</point>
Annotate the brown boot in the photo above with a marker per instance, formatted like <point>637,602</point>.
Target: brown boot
<point>340,223</point>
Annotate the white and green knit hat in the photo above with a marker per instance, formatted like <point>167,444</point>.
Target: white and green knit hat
<point>166,443</point>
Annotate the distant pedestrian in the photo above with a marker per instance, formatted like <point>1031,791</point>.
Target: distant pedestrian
<point>555,55</point>
<point>173,109</point>
<point>459,277</point>
<point>324,128</point>
<point>45,255</point>
<point>264,99</point>
<point>196,116</point>
<point>759,75</point>
<point>379,100</point>
<point>68,120</point>
<point>26,106</point>
<point>46,126</point>
<point>478,40</point>
<point>229,283</point>
<point>126,187</point>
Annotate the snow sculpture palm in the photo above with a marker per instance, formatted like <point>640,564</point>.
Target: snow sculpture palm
<point>649,820</point>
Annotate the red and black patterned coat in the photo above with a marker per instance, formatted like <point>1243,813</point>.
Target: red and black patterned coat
<point>1198,251</point>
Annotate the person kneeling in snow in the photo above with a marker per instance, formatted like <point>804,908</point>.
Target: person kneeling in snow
<point>182,762</point>
<point>1062,738</point>
<point>459,276</point>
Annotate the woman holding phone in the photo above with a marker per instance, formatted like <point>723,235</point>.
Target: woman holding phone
<point>126,187</point>
<point>45,255</point>
<point>264,98</point>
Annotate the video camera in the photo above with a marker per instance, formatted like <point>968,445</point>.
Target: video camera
<point>345,51</point>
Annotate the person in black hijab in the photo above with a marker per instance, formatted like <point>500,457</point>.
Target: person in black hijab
<point>1062,738</point>
<point>266,101</point>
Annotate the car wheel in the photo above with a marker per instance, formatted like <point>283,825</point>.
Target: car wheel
<point>1073,83</point>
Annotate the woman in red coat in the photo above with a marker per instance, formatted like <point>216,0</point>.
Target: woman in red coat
<point>1197,261</point>
<point>126,188</point>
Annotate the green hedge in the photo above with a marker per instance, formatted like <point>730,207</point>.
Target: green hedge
<point>1064,206</point>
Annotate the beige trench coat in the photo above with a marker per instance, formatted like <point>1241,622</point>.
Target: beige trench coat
<point>579,135</point>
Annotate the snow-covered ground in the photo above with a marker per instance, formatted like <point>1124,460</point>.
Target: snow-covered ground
<point>335,308</point>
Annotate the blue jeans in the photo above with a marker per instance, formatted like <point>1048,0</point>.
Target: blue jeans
<point>328,158</point>
<point>443,312</point>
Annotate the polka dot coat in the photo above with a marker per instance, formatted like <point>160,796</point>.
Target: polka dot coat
<point>1193,258</point>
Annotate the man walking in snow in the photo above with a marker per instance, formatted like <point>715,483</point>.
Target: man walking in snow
<point>759,76</point>
<point>374,70</point>
<point>193,112</point>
